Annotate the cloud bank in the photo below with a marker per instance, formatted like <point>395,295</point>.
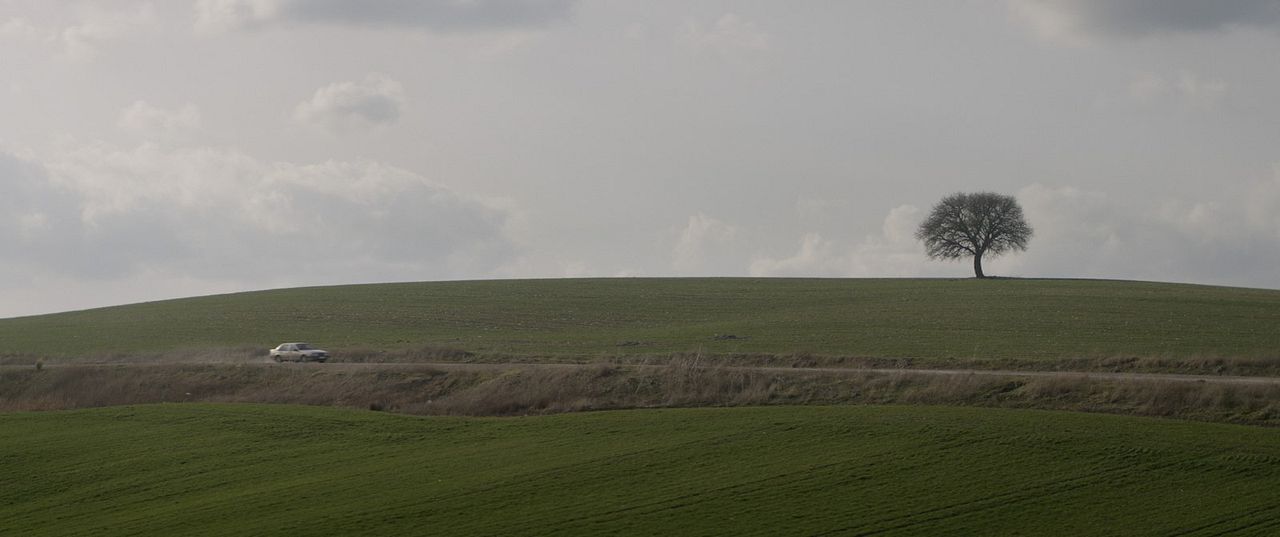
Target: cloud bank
<point>85,38</point>
<point>437,15</point>
<point>703,246</point>
<point>150,121</point>
<point>1076,20</point>
<point>893,251</point>
<point>1234,240</point>
<point>102,213</point>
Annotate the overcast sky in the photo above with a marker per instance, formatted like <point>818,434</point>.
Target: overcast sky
<point>162,149</point>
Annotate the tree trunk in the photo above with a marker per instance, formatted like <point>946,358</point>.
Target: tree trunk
<point>977,265</point>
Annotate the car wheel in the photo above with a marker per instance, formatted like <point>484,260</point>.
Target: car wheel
<point>276,358</point>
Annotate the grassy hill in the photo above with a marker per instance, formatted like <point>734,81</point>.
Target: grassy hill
<point>204,469</point>
<point>940,319</point>
<point>275,470</point>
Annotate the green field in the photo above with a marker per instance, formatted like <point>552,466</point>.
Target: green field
<point>274,470</point>
<point>936,319</point>
<point>221,469</point>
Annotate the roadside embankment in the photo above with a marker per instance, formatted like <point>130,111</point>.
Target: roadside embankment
<point>515,389</point>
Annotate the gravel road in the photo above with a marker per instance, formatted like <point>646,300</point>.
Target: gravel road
<point>457,366</point>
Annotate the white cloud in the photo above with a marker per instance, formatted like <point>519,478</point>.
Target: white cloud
<point>157,123</point>
<point>342,106</point>
<point>892,252</point>
<point>895,251</point>
<point>815,257</point>
<point>1047,20</point>
<point>20,28</point>
<point>217,215</point>
<point>900,225</point>
<point>702,240</point>
<point>732,37</point>
<point>225,15</point>
<point>1076,232</point>
<point>440,15</point>
<point>541,265</point>
<point>1263,206</point>
<point>83,41</point>
<point>1231,240</point>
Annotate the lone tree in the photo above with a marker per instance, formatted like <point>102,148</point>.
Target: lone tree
<point>974,225</point>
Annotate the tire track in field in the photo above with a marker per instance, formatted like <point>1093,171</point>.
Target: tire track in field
<point>536,475</point>
<point>1251,528</point>
<point>1235,518</point>
<point>1011,497</point>
<point>786,479</point>
<point>1122,475</point>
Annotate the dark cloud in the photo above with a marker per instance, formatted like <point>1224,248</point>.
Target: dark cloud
<point>39,221</point>
<point>1137,18</point>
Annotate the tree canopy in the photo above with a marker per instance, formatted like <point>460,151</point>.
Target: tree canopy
<point>974,225</point>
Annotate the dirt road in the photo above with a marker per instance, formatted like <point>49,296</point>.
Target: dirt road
<point>472,366</point>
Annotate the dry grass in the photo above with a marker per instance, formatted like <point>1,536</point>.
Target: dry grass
<point>683,382</point>
<point>1199,365</point>
<point>428,353</point>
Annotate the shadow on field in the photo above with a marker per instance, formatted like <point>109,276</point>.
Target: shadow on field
<point>685,380</point>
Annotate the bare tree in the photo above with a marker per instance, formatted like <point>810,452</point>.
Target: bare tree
<point>963,225</point>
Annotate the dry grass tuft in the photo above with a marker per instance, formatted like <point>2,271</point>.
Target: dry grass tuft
<point>686,380</point>
<point>426,353</point>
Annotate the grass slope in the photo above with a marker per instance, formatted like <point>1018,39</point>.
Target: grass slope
<point>258,470</point>
<point>1024,319</point>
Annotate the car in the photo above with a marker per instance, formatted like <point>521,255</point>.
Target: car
<point>298,352</point>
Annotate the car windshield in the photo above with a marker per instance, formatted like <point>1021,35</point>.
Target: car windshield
<point>303,346</point>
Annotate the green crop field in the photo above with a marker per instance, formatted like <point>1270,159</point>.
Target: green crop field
<point>939,319</point>
<point>185,469</point>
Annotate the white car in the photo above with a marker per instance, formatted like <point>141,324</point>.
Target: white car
<point>298,352</point>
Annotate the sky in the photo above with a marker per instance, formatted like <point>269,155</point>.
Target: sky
<point>162,149</point>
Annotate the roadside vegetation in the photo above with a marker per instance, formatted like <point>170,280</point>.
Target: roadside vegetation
<point>514,389</point>
<point>1042,324</point>
<point>633,335</point>
<point>282,470</point>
